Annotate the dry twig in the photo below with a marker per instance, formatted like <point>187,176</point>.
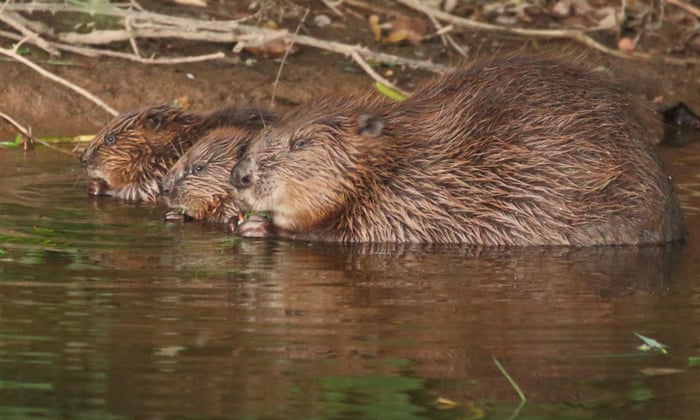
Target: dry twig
<point>284,59</point>
<point>333,6</point>
<point>447,39</point>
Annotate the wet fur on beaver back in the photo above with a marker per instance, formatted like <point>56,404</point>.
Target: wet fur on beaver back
<point>516,151</point>
<point>198,183</point>
<point>130,155</point>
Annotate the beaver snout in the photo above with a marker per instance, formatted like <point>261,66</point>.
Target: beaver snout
<point>98,187</point>
<point>242,174</point>
<point>164,188</point>
<point>84,158</point>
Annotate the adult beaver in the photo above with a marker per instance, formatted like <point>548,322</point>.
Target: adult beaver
<point>197,185</point>
<point>515,151</point>
<point>130,155</point>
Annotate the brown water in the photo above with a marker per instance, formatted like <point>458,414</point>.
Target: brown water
<point>107,312</point>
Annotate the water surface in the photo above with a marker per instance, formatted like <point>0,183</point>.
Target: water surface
<point>108,312</point>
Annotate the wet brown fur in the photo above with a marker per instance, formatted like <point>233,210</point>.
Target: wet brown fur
<point>148,141</point>
<point>516,151</point>
<point>198,182</point>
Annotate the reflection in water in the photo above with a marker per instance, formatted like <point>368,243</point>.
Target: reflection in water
<point>107,311</point>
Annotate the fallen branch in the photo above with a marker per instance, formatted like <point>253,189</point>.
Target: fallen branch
<point>333,6</point>
<point>94,52</point>
<point>574,35</point>
<point>99,52</point>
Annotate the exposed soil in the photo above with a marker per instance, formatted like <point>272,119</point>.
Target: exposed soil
<point>51,109</point>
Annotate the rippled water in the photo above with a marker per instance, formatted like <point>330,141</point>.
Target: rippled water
<point>106,311</point>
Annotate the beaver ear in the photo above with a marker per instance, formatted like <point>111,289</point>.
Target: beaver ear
<point>154,121</point>
<point>369,125</point>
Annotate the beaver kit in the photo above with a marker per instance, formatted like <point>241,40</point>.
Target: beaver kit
<point>197,185</point>
<point>130,155</point>
<point>515,151</point>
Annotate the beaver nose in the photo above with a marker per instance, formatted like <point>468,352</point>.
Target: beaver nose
<point>164,188</point>
<point>166,185</point>
<point>84,159</point>
<point>242,174</point>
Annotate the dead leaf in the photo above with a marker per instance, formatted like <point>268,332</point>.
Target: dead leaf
<point>626,44</point>
<point>407,28</point>
<point>197,3</point>
<point>181,102</point>
<point>396,36</point>
<point>607,17</point>
<point>271,24</point>
<point>375,28</point>
<point>272,49</point>
<point>561,8</point>
<point>322,21</point>
<point>443,403</point>
<point>275,48</point>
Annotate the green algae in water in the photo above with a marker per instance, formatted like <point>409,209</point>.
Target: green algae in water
<point>376,397</point>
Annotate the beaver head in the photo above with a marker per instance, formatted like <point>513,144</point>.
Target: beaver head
<point>127,158</point>
<point>197,185</point>
<point>305,168</point>
<point>130,155</point>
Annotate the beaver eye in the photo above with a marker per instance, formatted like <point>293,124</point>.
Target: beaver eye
<point>299,144</point>
<point>110,139</point>
<point>197,169</point>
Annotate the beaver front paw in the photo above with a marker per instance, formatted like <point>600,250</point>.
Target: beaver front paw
<point>97,187</point>
<point>253,226</point>
<point>175,216</point>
